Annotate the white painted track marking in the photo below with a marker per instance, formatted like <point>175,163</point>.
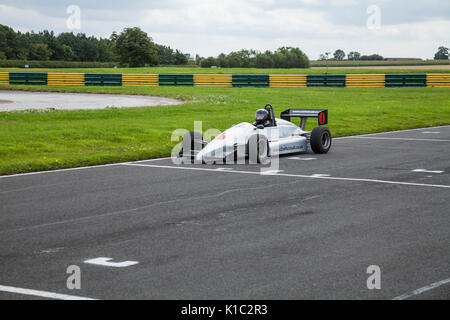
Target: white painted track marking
<point>106,262</point>
<point>79,168</point>
<point>302,159</point>
<point>404,139</point>
<point>293,175</point>
<point>396,131</point>
<point>430,132</point>
<point>427,171</point>
<point>43,294</point>
<point>271,172</point>
<point>422,290</point>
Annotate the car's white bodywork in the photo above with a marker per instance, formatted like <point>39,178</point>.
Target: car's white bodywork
<point>283,138</point>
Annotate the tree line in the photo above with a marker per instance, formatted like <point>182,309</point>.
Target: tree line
<point>132,47</point>
<point>285,57</point>
<point>339,55</point>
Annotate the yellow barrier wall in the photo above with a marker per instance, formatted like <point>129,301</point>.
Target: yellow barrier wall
<point>4,77</point>
<point>226,80</point>
<point>365,80</point>
<point>147,80</point>
<point>287,80</point>
<point>213,80</point>
<point>438,80</point>
<point>65,79</point>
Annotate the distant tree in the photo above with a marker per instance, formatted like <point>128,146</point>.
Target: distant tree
<point>222,61</point>
<point>166,55</point>
<point>181,58</point>
<point>289,57</point>
<point>41,52</point>
<point>372,57</point>
<point>208,62</point>
<point>67,53</point>
<point>24,45</point>
<point>339,55</point>
<point>354,55</point>
<point>135,48</point>
<point>442,54</point>
<point>198,59</point>
<point>113,37</point>
<point>8,42</point>
<point>105,50</point>
<point>264,60</point>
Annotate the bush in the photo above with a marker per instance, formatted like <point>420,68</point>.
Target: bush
<point>208,62</point>
<point>54,64</point>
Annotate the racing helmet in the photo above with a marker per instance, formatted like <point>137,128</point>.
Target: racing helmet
<point>262,115</point>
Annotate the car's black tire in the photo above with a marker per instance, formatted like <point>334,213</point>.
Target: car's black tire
<point>192,141</point>
<point>321,140</point>
<point>258,149</point>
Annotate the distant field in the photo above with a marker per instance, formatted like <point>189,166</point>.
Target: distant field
<point>196,70</point>
<point>362,63</point>
<point>43,140</point>
<point>430,68</point>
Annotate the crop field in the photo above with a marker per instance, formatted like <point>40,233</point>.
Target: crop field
<point>362,63</point>
<point>51,139</point>
<point>197,70</point>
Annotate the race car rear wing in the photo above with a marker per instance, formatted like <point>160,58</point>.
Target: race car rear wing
<point>304,114</point>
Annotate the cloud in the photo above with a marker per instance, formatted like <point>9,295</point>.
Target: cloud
<point>209,27</point>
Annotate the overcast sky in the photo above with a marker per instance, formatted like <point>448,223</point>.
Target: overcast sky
<point>403,28</point>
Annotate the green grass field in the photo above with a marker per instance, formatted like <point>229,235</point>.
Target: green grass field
<point>42,140</point>
<point>196,70</point>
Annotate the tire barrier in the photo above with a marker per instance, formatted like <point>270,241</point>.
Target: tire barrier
<point>103,79</point>
<point>406,80</point>
<point>227,80</point>
<point>287,81</point>
<point>66,79</point>
<point>4,77</point>
<point>438,80</point>
<point>28,78</point>
<point>325,80</point>
<point>213,80</point>
<point>365,80</point>
<point>145,80</point>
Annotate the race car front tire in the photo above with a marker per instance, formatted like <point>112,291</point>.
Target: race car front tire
<point>321,140</point>
<point>258,149</point>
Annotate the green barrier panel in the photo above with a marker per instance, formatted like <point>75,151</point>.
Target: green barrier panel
<point>406,80</point>
<point>250,80</point>
<point>176,79</point>
<point>325,80</point>
<point>28,78</point>
<point>103,79</point>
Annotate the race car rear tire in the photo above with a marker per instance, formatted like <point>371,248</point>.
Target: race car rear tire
<point>258,149</point>
<point>321,140</point>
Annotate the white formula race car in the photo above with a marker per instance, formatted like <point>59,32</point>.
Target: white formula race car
<point>266,137</point>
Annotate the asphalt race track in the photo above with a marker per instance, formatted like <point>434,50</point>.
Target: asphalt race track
<point>308,231</point>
